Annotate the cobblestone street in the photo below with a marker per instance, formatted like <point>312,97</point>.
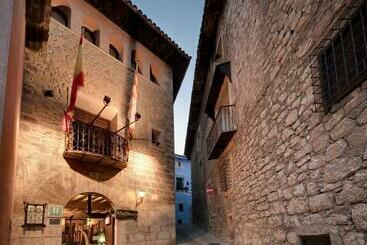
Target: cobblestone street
<point>192,235</point>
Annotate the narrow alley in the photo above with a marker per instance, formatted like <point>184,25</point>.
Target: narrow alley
<point>192,235</point>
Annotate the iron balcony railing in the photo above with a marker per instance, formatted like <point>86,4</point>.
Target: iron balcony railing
<point>88,139</point>
<point>222,130</point>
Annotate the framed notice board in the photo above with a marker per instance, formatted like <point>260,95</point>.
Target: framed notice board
<point>34,215</point>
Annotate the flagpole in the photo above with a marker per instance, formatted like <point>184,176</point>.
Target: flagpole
<point>67,98</point>
<point>137,118</point>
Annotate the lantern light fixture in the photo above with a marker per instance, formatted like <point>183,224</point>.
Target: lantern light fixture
<point>141,195</point>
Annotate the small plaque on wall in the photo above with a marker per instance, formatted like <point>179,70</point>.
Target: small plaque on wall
<point>126,214</point>
<point>34,215</point>
<point>55,211</point>
<point>54,221</point>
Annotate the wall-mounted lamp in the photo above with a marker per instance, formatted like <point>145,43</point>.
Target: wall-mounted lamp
<point>141,195</point>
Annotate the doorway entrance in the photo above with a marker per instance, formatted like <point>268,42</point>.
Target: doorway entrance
<point>88,220</point>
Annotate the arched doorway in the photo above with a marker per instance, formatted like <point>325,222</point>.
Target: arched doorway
<point>88,220</point>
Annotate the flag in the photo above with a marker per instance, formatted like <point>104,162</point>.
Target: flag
<point>78,81</point>
<point>131,114</point>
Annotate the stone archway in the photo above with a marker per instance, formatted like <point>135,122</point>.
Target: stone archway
<point>89,219</point>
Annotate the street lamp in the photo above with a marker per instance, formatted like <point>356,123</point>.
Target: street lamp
<point>141,195</point>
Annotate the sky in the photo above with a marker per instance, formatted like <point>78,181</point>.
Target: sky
<point>180,20</point>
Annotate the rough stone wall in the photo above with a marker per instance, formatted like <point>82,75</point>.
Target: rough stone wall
<point>199,208</point>
<point>44,176</point>
<point>295,171</point>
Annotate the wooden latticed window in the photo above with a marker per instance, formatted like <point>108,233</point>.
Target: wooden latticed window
<point>343,62</point>
<point>225,174</point>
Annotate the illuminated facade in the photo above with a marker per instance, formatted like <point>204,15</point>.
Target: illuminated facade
<point>88,185</point>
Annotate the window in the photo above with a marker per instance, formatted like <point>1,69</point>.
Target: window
<point>179,184</point>
<point>156,137</point>
<point>316,240</point>
<point>152,77</point>
<point>180,207</point>
<point>343,62</point>
<point>114,52</point>
<point>179,221</point>
<point>179,164</point>
<point>90,36</point>
<point>61,14</point>
<point>134,62</point>
<point>87,117</point>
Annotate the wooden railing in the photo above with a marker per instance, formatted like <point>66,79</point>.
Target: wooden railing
<point>224,123</point>
<point>86,138</point>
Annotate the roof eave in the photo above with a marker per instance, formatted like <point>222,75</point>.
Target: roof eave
<point>128,17</point>
<point>206,47</point>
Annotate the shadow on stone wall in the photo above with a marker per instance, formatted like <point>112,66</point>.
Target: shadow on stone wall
<point>93,171</point>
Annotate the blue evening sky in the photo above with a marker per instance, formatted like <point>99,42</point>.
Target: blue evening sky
<point>180,20</point>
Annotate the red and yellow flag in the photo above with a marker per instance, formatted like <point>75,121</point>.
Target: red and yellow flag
<point>131,114</point>
<point>78,82</point>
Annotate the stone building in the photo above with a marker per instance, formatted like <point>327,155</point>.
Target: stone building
<point>89,184</point>
<point>277,129</point>
<point>183,190</point>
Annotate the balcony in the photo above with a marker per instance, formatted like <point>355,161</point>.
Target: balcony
<point>91,144</point>
<point>222,131</point>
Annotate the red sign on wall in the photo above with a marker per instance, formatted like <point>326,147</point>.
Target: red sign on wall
<point>210,190</point>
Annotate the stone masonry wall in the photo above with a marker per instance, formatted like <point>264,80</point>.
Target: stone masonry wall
<point>43,175</point>
<point>295,171</point>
